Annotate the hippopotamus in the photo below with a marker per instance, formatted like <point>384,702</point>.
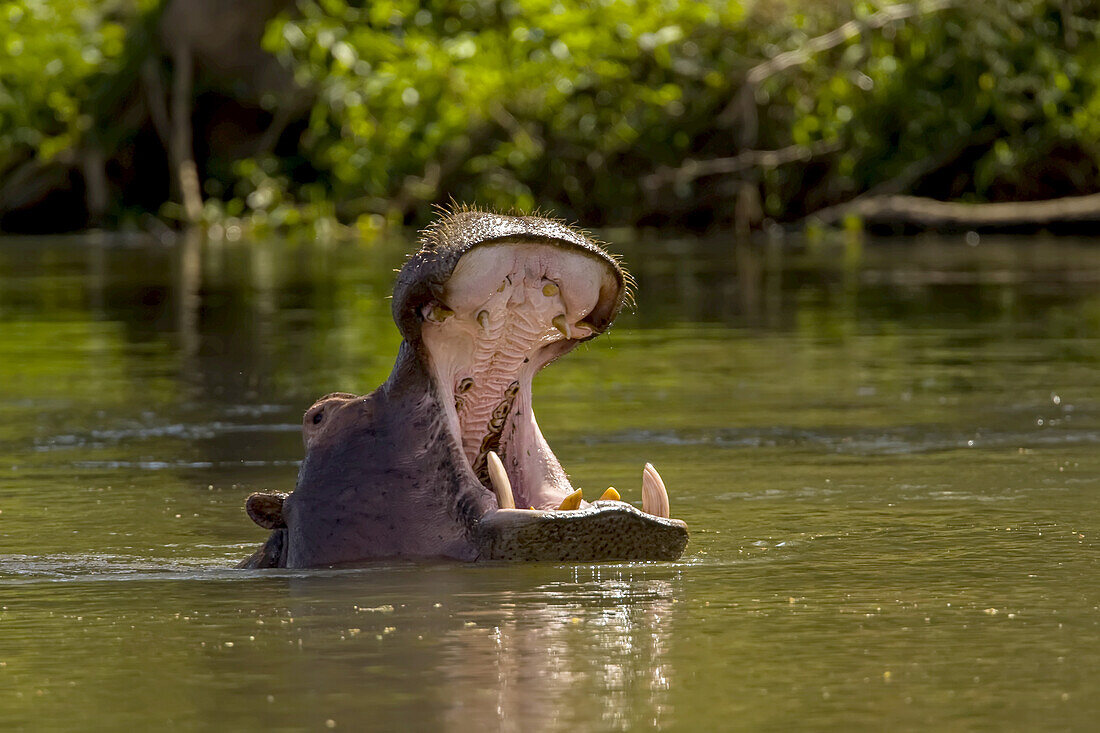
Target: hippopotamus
<point>445,459</point>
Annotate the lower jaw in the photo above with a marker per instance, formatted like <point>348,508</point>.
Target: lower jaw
<point>655,501</point>
<point>604,530</point>
<point>523,459</point>
<point>516,464</point>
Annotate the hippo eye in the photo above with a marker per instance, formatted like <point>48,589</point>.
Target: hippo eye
<point>317,416</point>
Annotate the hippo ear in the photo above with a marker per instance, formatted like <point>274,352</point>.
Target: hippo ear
<point>266,510</point>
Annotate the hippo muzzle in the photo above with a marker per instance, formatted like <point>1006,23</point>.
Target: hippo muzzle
<point>445,459</point>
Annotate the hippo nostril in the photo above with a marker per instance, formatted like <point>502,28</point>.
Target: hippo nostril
<point>318,416</point>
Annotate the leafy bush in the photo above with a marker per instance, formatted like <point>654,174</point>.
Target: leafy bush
<point>571,105</point>
<point>52,54</point>
<point>592,109</point>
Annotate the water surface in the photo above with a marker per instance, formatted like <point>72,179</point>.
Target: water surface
<point>888,453</point>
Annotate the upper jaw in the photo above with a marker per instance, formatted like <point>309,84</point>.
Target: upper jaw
<point>462,230</point>
<point>505,312</point>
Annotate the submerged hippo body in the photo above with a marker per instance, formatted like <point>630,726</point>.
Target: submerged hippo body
<point>432,463</point>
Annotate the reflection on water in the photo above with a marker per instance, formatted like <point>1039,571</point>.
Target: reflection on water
<point>888,453</point>
<point>543,649</point>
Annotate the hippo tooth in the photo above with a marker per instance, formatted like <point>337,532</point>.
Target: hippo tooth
<point>611,495</point>
<point>502,487</point>
<point>573,501</point>
<point>437,313</point>
<point>561,324</point>
<point>550,289</point>
<point>483,319</point>
<point>654,494</point>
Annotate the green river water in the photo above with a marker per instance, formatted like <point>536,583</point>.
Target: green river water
<point>888,453</point>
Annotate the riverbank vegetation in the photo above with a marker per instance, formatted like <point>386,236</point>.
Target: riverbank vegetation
<point>327,113</point>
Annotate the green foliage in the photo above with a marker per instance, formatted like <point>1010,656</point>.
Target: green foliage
<point>995,91</point>
<point>533,102</point>
<point>509,104</point>
<point>52,53</point>
<point>573,106</point>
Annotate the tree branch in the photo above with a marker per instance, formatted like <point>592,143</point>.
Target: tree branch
<point>925,212</point>
<point>692,169</point>
<point>182,140</point>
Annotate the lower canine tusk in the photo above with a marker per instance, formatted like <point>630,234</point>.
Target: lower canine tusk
<point>573,501</point>
<point>502,487</point>
<point>654,494</point>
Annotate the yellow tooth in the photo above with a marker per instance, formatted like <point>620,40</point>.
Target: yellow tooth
<point>573,501</point>
<point>611,495</point>
<point>483,319</point>
<point>582,326</point>
<point>550,289</point>
<point>502,487</point>
<point>560,324</point>
<point>654,494</point>
<point>439,314</point>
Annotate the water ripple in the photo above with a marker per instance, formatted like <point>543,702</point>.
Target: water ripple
<point>891,441</point>
<point>181,431</point>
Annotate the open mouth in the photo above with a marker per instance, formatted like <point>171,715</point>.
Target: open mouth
<point>506,311</point>
<point>486,302</point>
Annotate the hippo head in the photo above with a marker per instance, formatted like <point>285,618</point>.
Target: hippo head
<point>445,459</point>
